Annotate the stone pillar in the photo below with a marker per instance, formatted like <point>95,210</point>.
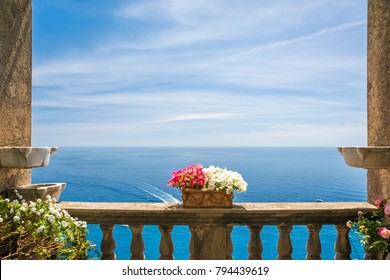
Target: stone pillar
<point>15,83</point>
<point>210,242</point>
<point>378,97</point>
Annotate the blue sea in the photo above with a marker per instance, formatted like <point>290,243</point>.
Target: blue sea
<point>117,174</point>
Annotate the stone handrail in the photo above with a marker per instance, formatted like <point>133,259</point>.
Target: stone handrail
<point>206,224</point>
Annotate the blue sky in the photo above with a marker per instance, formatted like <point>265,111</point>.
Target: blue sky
<point>199,73</point>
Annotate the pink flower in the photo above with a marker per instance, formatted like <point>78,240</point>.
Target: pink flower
<point>378,202</point>
<point>190,177</point>
<point>384,232</point>
<point>387,210</point>
<point>360,213</point>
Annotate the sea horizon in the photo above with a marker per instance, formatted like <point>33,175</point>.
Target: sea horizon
<point>140,174</point>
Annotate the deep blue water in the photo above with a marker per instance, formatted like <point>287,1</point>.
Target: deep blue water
<point>273,175</point>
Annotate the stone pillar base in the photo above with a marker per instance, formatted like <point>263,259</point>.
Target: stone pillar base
<point>210,242</point>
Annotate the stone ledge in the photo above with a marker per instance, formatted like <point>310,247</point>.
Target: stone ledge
<point>377,157</point>
<point>240,214</point>
<point>25,157</point>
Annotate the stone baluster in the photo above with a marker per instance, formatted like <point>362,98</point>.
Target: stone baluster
<point>255,246</point>
<point>192,245</point>
<point>137,246</point>
<point>313,245</point>
<point>342,246</point>
<point>229,243</point>
<point>284,242</point>
<point>108,242</point>
<point>166,244</point>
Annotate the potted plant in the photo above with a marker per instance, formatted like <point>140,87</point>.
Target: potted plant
<point>374,230</point>
<point>40,229</point>
<point>207,187</point>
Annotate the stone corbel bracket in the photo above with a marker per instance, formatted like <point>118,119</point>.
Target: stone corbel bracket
<point>371,157</point>
<point>25,157</point>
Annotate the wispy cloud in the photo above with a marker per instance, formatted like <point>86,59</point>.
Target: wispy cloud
<point>178,70</point>
<point>191,117</point>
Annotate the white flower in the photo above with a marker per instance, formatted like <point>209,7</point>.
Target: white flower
<point>50,218</point>
<point>48,197</point>
<point>64,224</point>
<point>15,201</point>
<point>1,220</point>
<point>223,179</point>
<point>11,210</point>
<point>16,191</point>
<point>22,209</point>
<point>54,199</point>
<point>39,200</point>
<point>41,211</point>
<point>40,228</point>
<point>16,218</point>
<point>6,200</point>
<point>66,214</point>
<point>32,204</point>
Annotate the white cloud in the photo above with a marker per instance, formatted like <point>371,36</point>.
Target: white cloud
<point>185,69</point>
<point>191,117</point>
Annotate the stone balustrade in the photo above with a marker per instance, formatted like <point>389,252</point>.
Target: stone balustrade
<point>216,224</point>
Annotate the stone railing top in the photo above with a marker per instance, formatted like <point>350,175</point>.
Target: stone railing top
<point>25,157</point>
<point>242,213</point>
<point>372,157</point>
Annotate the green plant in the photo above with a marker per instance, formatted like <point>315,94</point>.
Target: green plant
<point>374,228</point>
<point>40,230</point>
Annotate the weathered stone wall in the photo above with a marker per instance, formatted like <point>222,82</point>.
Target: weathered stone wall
<point>378,97</point>
<point>15,82</point>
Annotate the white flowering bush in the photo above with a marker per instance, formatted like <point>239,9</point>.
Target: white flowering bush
<point>40,230</point>
<point>223,179</point>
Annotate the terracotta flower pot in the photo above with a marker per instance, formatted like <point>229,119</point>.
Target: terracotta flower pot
<point>200,198</point>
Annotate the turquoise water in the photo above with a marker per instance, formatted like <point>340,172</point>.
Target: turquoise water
<point>273,175</point>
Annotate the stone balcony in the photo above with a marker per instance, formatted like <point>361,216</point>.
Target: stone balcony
<point>211,228</point>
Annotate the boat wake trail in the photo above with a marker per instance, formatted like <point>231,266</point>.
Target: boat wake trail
<point>157,193</point>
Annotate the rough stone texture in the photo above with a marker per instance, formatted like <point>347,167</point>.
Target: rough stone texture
<point>15,83</point>
<point>378,97</point>
<point>209,242</point>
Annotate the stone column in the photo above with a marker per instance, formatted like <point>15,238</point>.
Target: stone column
<point>210,242</point>
<point>378,97</point>
<point>15,83</point>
